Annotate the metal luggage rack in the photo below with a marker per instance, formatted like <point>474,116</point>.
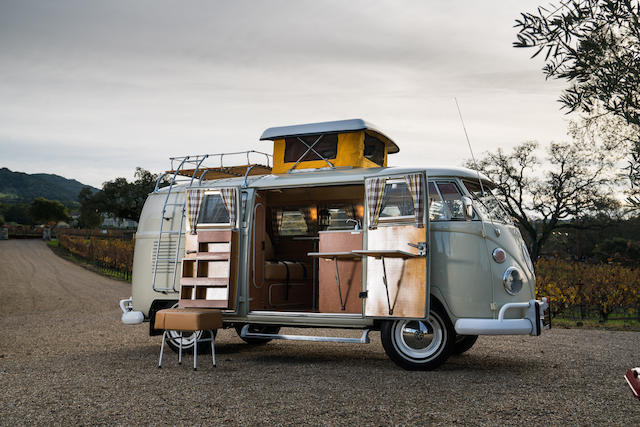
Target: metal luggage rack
<point>192,167</point>
<point>187,169</point>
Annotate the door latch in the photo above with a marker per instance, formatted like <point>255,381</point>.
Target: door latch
<point>421,247</point>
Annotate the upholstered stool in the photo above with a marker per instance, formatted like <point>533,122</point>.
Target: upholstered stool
<point>189,320</point>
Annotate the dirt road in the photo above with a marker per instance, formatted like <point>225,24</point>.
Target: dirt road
<point>65,358</point>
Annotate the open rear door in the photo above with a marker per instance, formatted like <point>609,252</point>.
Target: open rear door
<point>396,247</point>
<point>209,267</point>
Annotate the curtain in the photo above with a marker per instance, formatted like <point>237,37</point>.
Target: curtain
<point>276,220</point>
<point>374,190</point>
<point>308,219</point>
<point>230,202</point>
<point>193,207</point>
<point>416,187</point>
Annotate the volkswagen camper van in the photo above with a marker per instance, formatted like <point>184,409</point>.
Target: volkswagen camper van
<point>323,234</point>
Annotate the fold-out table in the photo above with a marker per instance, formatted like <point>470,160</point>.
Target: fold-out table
<point>382,254</point>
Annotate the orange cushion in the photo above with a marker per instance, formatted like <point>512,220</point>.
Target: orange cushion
<point>188,319</point>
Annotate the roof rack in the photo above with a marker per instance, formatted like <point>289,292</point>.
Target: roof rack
<point>217,166</point>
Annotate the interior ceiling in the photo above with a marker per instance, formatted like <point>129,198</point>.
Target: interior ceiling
<point>315,194</point>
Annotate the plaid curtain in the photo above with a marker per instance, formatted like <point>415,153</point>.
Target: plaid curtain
<point>230,202</point>
<point>375,190</point>
<point>276,220</point>
<point>194,200</point>
<point>416,187</point>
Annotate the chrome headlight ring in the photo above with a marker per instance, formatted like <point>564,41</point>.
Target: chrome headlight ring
<point>513,280</point>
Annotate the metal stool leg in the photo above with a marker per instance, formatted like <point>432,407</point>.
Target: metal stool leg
<point>213,351</point>
<point>195,351</point>
<point>180,352</point>
<point>164,335</point>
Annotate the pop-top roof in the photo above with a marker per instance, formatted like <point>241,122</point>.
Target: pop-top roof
<point>339,126</point>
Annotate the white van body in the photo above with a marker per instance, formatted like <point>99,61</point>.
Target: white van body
<point>479,278</point>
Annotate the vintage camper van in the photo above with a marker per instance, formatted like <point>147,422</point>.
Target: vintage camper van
<point>324,234</point>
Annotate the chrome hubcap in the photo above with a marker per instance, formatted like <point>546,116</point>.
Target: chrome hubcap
<point>419,339</point>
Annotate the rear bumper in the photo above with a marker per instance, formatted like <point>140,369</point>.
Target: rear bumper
<point>532,324</point>
<point>130,317</point>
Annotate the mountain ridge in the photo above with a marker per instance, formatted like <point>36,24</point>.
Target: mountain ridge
<point>22,187</point>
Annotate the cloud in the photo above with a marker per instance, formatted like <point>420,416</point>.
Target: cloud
<point>127,84</point>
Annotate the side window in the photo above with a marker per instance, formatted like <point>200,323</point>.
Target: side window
<point>326,147</point>
<point>397,203</point>
<point>213,210</point>
<point>437,210</point>
<point>374,149</point>
<point>292,223</point>
<point>451,197</point>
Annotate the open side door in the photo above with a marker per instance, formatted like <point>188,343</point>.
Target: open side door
<point>210,265</point>
<point>397,281</point>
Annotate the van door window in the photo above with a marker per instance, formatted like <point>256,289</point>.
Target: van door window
<point>437,210</point>
<point>213,210</point>
<point>452,199</point>
<point>397,202</point>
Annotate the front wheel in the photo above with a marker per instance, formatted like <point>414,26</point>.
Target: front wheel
<point>419,345</point>
<point>464,343</point>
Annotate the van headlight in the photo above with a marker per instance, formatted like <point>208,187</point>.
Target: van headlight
<point>512,280</point>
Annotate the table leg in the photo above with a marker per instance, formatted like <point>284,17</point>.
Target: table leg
<point>335,261</point>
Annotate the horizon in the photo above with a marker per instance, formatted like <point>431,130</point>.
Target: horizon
<point>91,91</point>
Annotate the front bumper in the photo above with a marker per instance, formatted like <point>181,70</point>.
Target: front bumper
<point>130,317</point>
<point>532,324</point>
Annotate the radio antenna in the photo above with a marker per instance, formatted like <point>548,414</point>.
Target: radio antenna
<point>475,163</point>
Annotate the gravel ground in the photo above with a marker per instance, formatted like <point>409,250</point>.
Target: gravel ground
<point>65,358</point>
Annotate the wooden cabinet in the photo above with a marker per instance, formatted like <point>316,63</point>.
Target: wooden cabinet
<point>350,273</point>
<point>209,270</point>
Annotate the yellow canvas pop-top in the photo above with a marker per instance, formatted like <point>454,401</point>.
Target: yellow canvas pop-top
<point>338,144</point>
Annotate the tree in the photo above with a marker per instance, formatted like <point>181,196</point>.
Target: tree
<point>90,216</point>
<point>595,46</point>
<point>44,210</point>
<point>577,182</point>
<point>118,198</point>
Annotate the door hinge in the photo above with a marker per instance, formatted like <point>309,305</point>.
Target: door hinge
<point>363,295</point>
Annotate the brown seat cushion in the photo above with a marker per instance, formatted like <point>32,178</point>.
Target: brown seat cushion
<point>188,319</point>
<point>278,271</point>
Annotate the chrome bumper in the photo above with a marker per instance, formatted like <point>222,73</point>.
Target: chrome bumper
<point>130,317</point>
<point>532,324</point>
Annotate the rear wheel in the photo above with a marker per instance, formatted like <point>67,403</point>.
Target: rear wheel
<point>260,329</point>
<point>464,343</point>
<point>419,344</point>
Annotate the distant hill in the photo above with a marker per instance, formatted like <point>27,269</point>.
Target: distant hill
<point>24,187</point>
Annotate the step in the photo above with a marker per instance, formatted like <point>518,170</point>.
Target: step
<point>364,339</point>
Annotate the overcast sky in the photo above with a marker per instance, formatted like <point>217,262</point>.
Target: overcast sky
<point>91,89</point>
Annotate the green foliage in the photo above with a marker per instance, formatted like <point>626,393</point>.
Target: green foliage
<point>618,250</point>
<point>118,198</point>
<point>594,45</point>
<point>18,213</point>
<point>18,187</point>
<point>43,210</point>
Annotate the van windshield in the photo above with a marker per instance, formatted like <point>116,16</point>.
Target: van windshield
<point>487,203</point>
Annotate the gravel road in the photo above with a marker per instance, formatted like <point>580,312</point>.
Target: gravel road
<point>65,358</point>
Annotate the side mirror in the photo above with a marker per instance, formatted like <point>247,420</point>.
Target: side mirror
<point>467,204</point>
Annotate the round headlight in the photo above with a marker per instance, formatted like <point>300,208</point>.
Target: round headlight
<point>499,255</point>
<point>513,281</point>
<point>527,258</point>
